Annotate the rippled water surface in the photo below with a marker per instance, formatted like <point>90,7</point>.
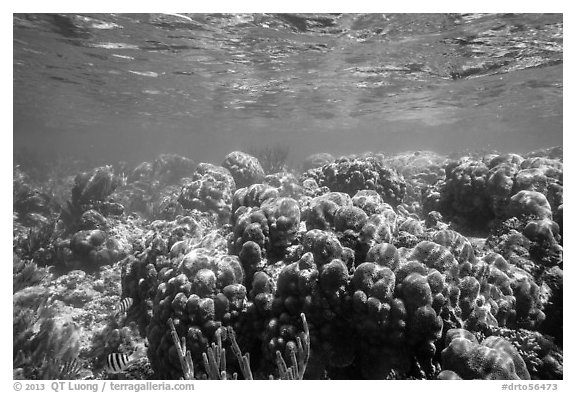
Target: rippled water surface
<point>131,86</point>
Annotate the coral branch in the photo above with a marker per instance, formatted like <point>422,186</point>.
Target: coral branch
<point>215,359</point>
<point>299,357</point>
<point>272,158</point>
<point>243,360</point>
<point>184,356</point>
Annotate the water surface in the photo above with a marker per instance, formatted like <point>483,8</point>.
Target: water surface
<point>111,87</point>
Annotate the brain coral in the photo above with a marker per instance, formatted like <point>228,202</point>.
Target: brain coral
<point>369,201</point>
<point>322,209</point>
<point>458,245</point>
<point>504,345</point>
<point>352,174</point>
<point>434,256</point>
<point>252,196</point>
<point>273,226</point>
<point>245,169</point>
<point>379,228</point>
<point>492,359</point>
<point>530,203</point>
<point>211,189</point>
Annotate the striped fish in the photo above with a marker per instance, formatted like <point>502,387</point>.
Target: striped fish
<point>124,305</point>
<point>118,362</point>
<point>56,368</point>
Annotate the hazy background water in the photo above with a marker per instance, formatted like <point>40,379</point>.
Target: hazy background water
<point>128,87</point>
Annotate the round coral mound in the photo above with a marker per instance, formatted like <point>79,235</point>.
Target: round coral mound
<point>211,189</point>
<point>245,169</point>
<point>368,173</point>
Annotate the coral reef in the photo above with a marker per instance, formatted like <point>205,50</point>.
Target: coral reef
<point>363,267</point>
<point>272,226</point>
<point>41,333</point>
<point>203,293</point>
<point>352,174</point>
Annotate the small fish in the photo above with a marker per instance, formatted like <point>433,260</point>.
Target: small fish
<point>118,362</point>
<point>124,305</point>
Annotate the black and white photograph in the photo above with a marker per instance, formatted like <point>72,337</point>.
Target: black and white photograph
<point>287,196</point>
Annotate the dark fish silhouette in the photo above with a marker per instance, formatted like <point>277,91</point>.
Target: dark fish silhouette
<point>124,305</point>
<point>118,362</point>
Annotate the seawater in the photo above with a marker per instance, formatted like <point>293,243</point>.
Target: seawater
<point>127,87</point>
